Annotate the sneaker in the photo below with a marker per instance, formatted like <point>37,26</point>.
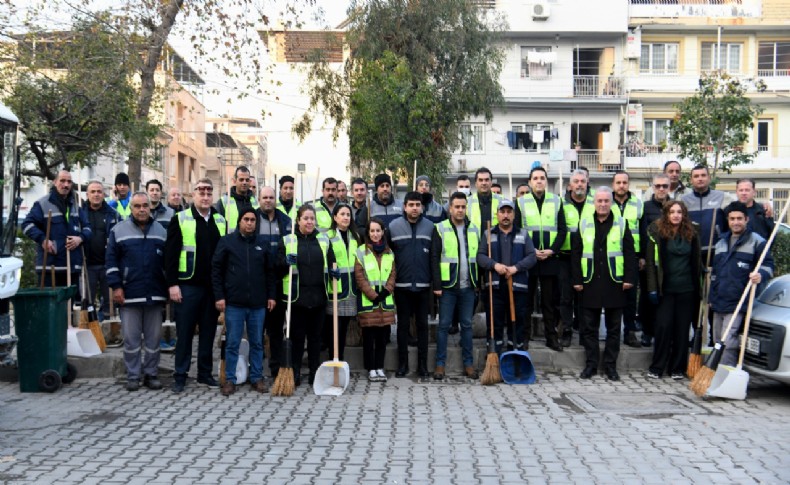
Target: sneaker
<point>152,382</point>
<point>382,375</point>
<point>678,376</point>
<point>260,386</point>
<point>209,382</point>
<point>132,385</point>
<point>228,388</point>
<point>164,346</point>
<point>373,376</point>
<point>652,375</point>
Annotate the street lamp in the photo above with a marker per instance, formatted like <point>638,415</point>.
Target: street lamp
<point>300,167</point>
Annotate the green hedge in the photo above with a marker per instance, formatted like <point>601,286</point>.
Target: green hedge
<point>781,253</point>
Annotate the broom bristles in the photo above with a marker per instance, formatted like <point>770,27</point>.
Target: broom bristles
<point>284,383</point>
<point>702,380</point>
<point>491,374</point>
<point>694,365</point>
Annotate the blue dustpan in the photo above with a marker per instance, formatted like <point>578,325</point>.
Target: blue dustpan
<point>516,367</point>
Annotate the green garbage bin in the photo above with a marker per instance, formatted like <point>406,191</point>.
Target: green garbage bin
<point>40,322</point>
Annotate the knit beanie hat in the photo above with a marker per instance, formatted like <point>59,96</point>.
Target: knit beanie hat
<point>381,179</point>
<point>426,178</point>
<point>122,178</point>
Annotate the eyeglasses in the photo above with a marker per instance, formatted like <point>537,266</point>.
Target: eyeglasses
<point>661,186</point>
<point>204,190</point>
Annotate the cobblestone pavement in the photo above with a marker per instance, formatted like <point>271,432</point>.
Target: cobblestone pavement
<point>560,430</point>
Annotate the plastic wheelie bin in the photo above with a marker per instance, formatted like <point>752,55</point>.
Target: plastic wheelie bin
<point>40,321</point>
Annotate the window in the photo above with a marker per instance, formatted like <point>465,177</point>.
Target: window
<point>656,131</point>
<point>532,137</point>
<point>729,59</point>
<point>536,62</point>
<point>471,137</point>
<point>764,132</point>
<point>659,59</point>
<point>773,59</point>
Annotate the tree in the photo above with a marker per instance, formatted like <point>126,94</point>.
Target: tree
<point>225,34</point>
<point>417,70</point>
<point>73,94</point>
<point>715,121</point>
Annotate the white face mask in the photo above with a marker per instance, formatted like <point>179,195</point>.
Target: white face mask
<point>466,191</point>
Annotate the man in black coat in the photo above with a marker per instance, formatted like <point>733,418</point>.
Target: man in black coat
<point>192,237</point>
<point>603,268</point>
<point>244,288</point>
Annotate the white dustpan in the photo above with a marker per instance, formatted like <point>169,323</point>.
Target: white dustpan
<point>729,382</point>
<point>332,378</point>
<point>80,342</point>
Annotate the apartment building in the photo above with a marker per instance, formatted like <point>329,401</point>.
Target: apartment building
<point>585,81</point>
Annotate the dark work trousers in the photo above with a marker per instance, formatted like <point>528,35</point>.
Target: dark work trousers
<point>570,301</point>
<point>548,288</point>
<point>589,335</point>
<point>502,317</point>
<point>629,312</point>
<point>329,336</point>
<point>275,320</point>
<point>673,323</point>
<point>196,307</point>
<point>97,278</point>
<point>647,311</point>
<point>374,344</point>
<point>408,303</point>
<point>306,322</point>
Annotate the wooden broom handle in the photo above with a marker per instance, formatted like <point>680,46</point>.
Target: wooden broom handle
<point>746,326</point>
<point>512,300</point>
<point>490,283</point>
<point>44,255</point>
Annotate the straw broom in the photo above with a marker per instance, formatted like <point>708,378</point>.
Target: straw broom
<point>491,374</point>
<point>695,357</point>
<point>703,378</point>
<point>284,383</point>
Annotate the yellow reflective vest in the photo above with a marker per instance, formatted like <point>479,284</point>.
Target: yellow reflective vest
<point>572,218</point>
<point>291,247</point>
<point>377,277</point>
<point>345,256</point>
<point>473,209</point>
<point>291,213</point>
<point>634,209</point>
<point>232,211</point>
<point>448,264</point>
<point>543,221</point>
<point>614,249</point>
<point>188,228</point>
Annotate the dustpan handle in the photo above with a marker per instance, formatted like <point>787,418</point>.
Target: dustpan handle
<point>746,326</point>
<point>334,313</point>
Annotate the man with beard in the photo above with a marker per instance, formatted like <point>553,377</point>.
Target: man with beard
<point>384,206</point>
<point>240,198</point>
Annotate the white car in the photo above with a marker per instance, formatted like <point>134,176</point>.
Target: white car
<point>768,343</point>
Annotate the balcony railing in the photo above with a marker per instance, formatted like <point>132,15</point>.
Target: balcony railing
<point>599,160</point>
<point>773,72</point>
<point>598,86</point>
<point>695,8</point>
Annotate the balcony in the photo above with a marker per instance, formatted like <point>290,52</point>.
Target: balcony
<point>695,8</point>
<point>599,160</point>
<point>598,87</point>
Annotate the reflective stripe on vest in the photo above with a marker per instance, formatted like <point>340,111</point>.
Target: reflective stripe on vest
<point>614,249</point>
<point>572,219</point>
<point>544,221</point>
<point>292,247</point>
<point>345,257</point>
<point>377,277</point>
<point>634,208</point>
<point>473,210</point>
<point>448,264</point>
<point>188,227</point>
<point>232,211</point>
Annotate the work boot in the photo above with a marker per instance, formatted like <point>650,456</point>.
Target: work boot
<point>152,382</point>
<point>567,336</point>
<point>553,344</point>
<point>631,340</point>
<point>422,368</point>
<point>438,373</point>
<point>260,386</point>
<point>470,372</point>
<point>132,385</point>
<point>228,388</point>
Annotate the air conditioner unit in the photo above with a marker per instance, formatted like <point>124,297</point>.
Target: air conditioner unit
<point>540,11</point>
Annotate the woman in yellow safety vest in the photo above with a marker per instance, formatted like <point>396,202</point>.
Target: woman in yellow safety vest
<point>374,271</point>
<point>345,240</point>
<point>311,256</point>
